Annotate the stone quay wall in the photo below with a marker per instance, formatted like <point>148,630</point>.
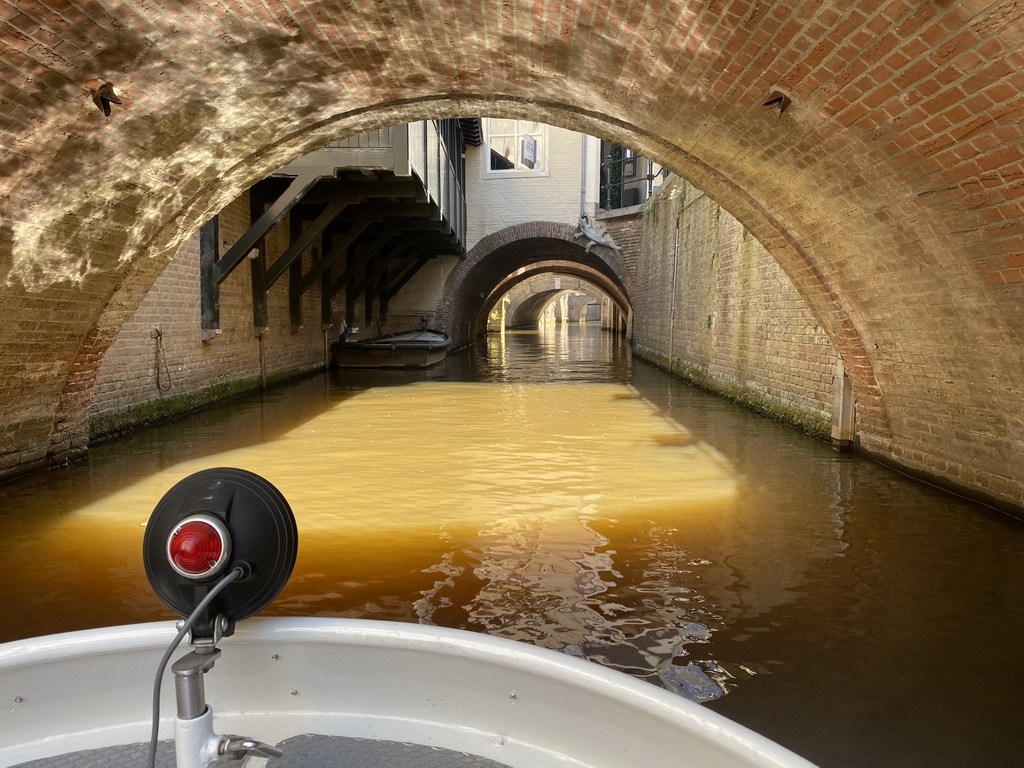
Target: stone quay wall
<point>712,306</point>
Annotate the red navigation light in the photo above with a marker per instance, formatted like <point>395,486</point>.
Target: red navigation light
<point>242,522</point>
<point>199,547</point>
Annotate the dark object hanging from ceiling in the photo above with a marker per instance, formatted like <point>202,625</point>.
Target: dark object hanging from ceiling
<point>778,102</point>
<point>104,96</point>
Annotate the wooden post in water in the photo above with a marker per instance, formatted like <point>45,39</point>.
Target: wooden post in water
<point>842,410</point>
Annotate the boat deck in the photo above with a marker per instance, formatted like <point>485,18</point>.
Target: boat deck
<point>306,751</point>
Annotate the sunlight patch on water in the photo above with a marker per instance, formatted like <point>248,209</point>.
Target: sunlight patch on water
<point>482,506</point>
<point>470,453</point>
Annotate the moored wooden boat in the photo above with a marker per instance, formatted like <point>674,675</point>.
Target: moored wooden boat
<point>420,348</point>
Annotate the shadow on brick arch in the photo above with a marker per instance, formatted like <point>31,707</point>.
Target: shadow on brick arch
<point>512,255</point>
<point>211,176</point>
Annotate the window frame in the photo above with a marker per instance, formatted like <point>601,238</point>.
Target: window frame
<point>544,140</point>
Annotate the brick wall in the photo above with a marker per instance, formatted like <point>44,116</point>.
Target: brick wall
<point>625,227</point>
<point>143,378</point>
<point>720,311</point>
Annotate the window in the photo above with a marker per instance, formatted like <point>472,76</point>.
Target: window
<point>629,164</point>
<point>516,145</point>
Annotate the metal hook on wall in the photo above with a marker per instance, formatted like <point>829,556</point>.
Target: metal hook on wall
<point>161,360</point>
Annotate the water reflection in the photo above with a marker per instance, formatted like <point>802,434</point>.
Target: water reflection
<point>849,613</point>
<point>519,510</point>
<point>559,353</point>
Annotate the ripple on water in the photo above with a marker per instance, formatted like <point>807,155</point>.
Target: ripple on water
<point>481,506</point>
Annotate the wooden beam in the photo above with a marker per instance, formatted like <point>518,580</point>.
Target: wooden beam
<point>326,310</point>
<point>260,313</point>
<point>331,189</point>
<point>336,251</point>
<point>270,218</point>
<point>301,242</point>
<point>393,272</point>
<point>377,270</point>
<point>350,295</point>
<point>367,298</point>
<point>353,189</point>
<point>355,264</point>
<point>390,285</point>
<point>408,265</point>
<point>399,283</point>
<point>411,224</point>
<point>395,210</point>
<point>209,293</point>
<point>294,276</point>
<point>427,239</point>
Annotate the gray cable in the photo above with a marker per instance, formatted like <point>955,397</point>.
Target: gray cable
<point>185,628</point>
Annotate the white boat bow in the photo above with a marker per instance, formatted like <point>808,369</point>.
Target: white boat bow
<point>520,706</point>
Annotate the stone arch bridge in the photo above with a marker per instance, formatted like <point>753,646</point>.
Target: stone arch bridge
<point>529,299</point>
<point>874,147</point>
<point>513,255</point>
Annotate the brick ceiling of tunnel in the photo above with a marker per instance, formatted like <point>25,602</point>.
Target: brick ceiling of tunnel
<point>890,189</point>
<point>895,105</point>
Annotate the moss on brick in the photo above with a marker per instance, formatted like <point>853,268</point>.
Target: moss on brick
<point>155,411</point>
<point>168,408</point>
<point>810,423</point>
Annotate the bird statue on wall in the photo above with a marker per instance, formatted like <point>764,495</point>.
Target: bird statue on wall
<point>588,229</point>
<point>104,96</point>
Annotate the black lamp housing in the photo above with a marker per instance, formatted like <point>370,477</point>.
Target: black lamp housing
<point>263,543</point>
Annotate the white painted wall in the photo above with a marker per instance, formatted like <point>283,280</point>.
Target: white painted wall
<point>496,201</point>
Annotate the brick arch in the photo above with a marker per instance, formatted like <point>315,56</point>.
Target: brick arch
<point>526,312</point>
<point>505,258</point>
<point>528,299</point>
<point>888,190</point>
<point>580,272</point>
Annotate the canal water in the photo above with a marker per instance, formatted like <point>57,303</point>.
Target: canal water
<point>547,488</point>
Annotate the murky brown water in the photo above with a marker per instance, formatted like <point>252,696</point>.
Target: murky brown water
<point>546,488</point>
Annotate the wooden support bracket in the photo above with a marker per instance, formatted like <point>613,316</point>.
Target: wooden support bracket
<point>288,200</point>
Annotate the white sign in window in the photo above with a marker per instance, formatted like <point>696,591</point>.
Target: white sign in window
<point>529,151</point>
